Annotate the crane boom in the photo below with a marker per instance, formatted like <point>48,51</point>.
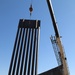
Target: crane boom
<point>53,18</point>
<point>58,40</point>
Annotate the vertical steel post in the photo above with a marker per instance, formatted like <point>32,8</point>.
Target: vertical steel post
<point>13,54</point>
<point>33,61</point>
<point>22,63</point>
<point>14,66</point>
<point>20,53</point>
<point>30,54</point>
<point>26,60</point>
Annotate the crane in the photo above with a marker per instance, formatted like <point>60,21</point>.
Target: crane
<point>56,42</point>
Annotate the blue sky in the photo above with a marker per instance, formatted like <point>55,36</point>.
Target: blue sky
<point>13,10</point>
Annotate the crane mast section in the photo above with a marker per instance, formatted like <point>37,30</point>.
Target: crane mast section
<point>62,56</point>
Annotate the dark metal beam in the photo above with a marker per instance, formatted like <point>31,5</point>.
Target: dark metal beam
<point>20,53</point>
<point>13,54</point>
<point>33,57</point>
<point>29,23</point>
<point>26,60</point>
<point>30,54</point>
<point>36,59</point>
<point>22,63</point>
<point>14,66</point>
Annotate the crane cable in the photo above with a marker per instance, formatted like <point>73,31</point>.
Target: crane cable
<point>31,8</point>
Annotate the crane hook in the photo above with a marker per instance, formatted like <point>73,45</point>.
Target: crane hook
<point>31,9</point>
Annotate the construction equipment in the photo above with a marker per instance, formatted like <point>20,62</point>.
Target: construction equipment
<point>30,9</point>
<point>56,42</point>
